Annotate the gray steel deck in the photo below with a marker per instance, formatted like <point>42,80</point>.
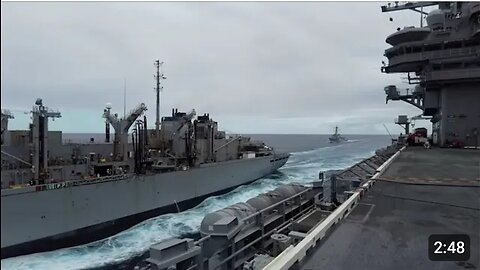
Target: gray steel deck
<point>390,227</point>
<point>436,166</point>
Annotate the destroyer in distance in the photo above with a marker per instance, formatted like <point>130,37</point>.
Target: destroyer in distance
<point>56,195</point>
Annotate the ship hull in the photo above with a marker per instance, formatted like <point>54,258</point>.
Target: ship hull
<point>337,140</point>
<point>46,220</point>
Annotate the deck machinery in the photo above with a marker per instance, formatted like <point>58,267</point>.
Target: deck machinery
<point>249,235</point>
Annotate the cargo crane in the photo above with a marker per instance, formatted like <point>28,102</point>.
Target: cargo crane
<point>40,139</point>
<point>6,114</point>
<point>189,136</point>
<point>121,126</point>
<point>187,119</point>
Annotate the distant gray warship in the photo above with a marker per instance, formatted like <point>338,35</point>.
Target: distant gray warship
<point>418,191</point>
<point>57,195</point>
<point>336,137</point>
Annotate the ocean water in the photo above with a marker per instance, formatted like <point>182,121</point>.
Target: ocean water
<point>310,154</point>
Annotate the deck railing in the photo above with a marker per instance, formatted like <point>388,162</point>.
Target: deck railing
<point>64,184</point>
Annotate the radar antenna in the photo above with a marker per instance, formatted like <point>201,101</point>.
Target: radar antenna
<point>408,5</point>
<point>158,76</point>
<point>411,6</point>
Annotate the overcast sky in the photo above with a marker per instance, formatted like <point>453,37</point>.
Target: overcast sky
<point>255,67</point>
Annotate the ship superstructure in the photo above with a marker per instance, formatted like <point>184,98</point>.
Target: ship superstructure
<point>442,63</point>
<point>6,114</point>
<point>391,209</point>
<point>336,137</point>
<point>55,194</point>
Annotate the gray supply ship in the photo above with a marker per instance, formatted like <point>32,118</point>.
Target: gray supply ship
<point>385,206</point>
<point>56,195</point>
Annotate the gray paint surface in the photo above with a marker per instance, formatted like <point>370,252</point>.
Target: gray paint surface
<point>446,65</point>
<point>438,163</point>
<point>389,229</point>
<point>63,210</point>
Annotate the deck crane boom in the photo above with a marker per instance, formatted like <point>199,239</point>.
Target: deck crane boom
<point>121,127</point>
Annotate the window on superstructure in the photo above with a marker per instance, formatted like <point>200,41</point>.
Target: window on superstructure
<point>472,42</point>
<point>433,47</point>
<point>417,49</point>
<point>472,64</point>
<point>390,54</point>
<point>453,45</point>
<point>452,65</point>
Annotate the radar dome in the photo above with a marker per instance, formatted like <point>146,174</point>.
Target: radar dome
<point>436,19</point>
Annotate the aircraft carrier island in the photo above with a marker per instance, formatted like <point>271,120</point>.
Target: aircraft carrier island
<point>382,212</point>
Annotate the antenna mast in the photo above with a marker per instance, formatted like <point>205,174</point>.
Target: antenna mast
<point>158,88</point>
<point>124,97</point>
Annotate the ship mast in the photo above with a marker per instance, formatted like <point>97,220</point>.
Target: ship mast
<point>5,116</point>
<point>39,132</point>
<point>158,88</point>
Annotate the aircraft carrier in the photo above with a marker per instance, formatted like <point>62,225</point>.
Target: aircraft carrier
<point>381,212</point>
<point>57,195</point>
